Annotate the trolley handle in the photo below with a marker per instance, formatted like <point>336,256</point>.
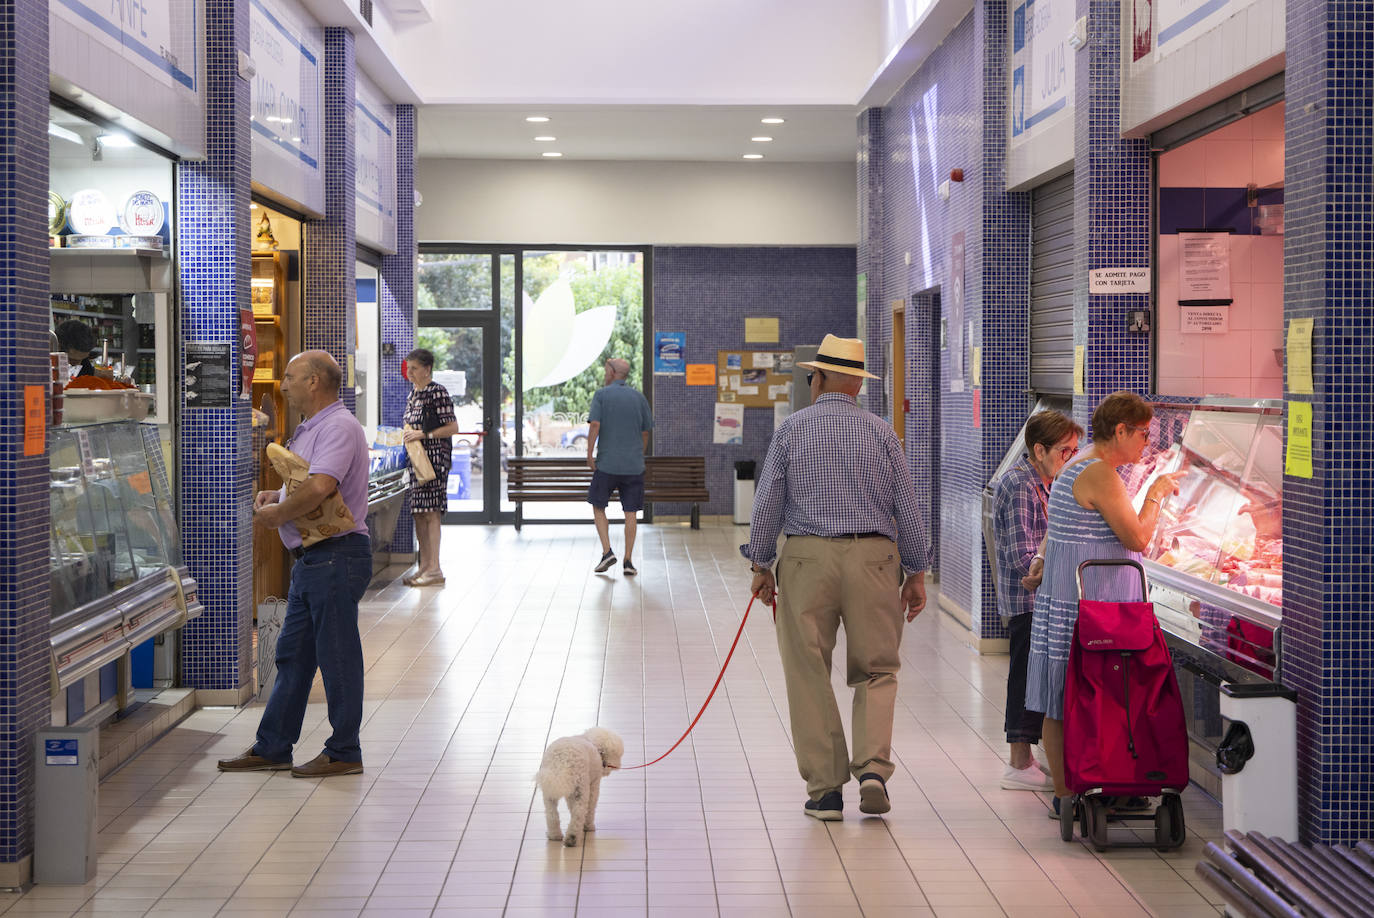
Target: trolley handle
<point>1114,562</point>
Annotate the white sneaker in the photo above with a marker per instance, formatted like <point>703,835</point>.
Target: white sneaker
<point>1028,778</point>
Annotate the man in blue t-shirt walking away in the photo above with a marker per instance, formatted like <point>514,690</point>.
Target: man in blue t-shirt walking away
<point>620,421</point>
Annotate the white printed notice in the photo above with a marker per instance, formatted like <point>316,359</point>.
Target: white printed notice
<point>1204,320</point>
<point>1204,269</point>
<point>729,426</point>
<point>1041,64</point>
<point>780,411</point>
<point>1119,280</point>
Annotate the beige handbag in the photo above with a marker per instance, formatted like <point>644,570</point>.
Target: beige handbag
<point>419,460</point>
<point>330,518</point>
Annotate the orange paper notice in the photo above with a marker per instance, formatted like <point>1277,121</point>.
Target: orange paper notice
<point>701,374</point>
<point>35,415</point>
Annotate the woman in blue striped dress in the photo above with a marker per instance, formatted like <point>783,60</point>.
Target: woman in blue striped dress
<point>1090,518</point>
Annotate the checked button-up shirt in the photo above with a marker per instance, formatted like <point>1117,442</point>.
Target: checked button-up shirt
<point>835,469</point>
<point>1020,503</point>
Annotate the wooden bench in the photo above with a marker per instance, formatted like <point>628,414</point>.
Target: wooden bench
<point>666,478</point>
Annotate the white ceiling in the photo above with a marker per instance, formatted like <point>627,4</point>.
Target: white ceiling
<point>679,133</point>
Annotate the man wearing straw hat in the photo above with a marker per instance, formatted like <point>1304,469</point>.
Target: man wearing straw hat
<point>836,482</point>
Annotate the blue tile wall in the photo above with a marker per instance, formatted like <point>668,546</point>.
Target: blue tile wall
<point>1111,207</point>
<point>330,318</point>
<point>927,132</point>
<point>214,264</point>
<point>706,293</point>
<point>397,300</point>
<point>24,323</point>
<point>1328,537</point>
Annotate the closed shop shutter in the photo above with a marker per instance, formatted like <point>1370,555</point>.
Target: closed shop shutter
<point>1051,287</point>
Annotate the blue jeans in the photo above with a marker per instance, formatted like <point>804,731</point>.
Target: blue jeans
<point>320,631</point>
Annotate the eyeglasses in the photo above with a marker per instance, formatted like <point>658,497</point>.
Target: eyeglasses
<point>1142,430</point>
<point>1067,451</point>
<point>808,378</point>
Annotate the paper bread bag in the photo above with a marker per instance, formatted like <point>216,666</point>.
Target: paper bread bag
<point>419,460</point>
<point>330,518</point>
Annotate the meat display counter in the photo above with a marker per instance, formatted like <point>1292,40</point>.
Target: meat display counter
<point>1215,564</point>
<point>116,571</point>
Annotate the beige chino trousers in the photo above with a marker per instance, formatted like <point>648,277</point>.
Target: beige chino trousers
<point>823,582</point>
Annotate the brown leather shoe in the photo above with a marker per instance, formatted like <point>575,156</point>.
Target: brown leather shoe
<point>251,761</point>
<point>322,766</point>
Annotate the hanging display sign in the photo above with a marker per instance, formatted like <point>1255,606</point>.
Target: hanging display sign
<point>1179,21</point>
<point>248,356</point>
<point>287,50</point>
<point>1041,64</point>
<point>140,57</point>
<point>374,182</point>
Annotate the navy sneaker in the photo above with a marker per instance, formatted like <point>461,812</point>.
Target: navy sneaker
<point>606,563</point>
<point>830,808</point>
<point>873,795</point>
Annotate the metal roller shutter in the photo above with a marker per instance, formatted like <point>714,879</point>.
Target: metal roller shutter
<point>1051,287</point>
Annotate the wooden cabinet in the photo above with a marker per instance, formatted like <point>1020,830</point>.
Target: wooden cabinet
<point>273,320</point>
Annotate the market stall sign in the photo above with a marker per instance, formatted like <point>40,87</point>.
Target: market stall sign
<point>156,36</point>
<point>286,101</point>
<point>1042,72</point>
<point>374,183</point>
<point>1119,280</point>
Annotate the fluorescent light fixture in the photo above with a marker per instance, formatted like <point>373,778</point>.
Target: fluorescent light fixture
<point>253,205</point>
<point>536,119</point>
<point>761,139</point>
<point>753,156</point>
<point>545,138</point>
<point>295,140</point>
<point>115,140</point>
<point>770,121</point>
<point>551,154</point>
<point>57,130</point>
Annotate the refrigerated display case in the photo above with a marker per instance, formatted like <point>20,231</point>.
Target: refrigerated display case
<point>116,569</point>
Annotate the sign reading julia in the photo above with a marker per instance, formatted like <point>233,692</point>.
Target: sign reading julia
<point>1041,63</point>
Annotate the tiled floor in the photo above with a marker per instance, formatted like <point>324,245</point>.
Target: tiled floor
<point>466,685</point>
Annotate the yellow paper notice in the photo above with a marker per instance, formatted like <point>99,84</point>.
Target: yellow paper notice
<point>348,363</point>
<point>1080,354</point>
<point>1300,357</point>
<point>761,331</point>
<point>977,366</point>
<point>1299,460</point>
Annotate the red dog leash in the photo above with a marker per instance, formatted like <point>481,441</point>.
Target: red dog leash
<point>714,687</point>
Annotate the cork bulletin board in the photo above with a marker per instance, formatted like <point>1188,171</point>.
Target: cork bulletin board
<point>755,379</point>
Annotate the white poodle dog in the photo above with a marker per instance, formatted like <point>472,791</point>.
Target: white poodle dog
<point>572,770</point>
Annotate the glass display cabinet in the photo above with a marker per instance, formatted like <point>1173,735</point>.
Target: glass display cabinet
<point>115,563</point>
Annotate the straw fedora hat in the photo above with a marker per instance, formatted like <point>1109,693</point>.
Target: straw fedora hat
<point>840,355</point>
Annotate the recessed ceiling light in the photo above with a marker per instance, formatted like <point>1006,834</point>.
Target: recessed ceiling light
<point>536,119</point>
<point>552,153</point>
<point>771,120</point>
<point>761,139</point>
<point>753,156</point>
<point>546,138</point>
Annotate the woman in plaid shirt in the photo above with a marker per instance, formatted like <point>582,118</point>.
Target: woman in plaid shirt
<point>1020,518</point>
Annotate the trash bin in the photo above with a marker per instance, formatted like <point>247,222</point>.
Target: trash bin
<point>1258,759</point>
<point>744,491</point>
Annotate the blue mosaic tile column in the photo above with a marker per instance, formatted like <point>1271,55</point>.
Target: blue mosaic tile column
<point>24,323</point>
<point>330,319</point>
<point>397,300</point>
<point>214,264</point>
<point>1111,212</point>
<point>1328,539</point>
<point>1005,290</point>
<point>869,165</point>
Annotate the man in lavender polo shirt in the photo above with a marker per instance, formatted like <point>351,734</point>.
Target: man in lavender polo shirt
<point>327,581</point>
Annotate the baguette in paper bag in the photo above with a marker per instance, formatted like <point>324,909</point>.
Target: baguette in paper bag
<point>330,518</point>
<point>419,460</point>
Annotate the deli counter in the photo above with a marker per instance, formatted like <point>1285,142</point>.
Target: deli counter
<point>116,571</point>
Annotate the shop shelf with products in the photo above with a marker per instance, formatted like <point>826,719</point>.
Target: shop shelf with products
<point>115,564</point>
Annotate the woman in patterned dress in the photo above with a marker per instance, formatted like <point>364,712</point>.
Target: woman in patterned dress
<point>1090,518</point>
<point>429,418</point>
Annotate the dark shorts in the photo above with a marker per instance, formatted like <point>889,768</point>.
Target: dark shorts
<point>631,490</point>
